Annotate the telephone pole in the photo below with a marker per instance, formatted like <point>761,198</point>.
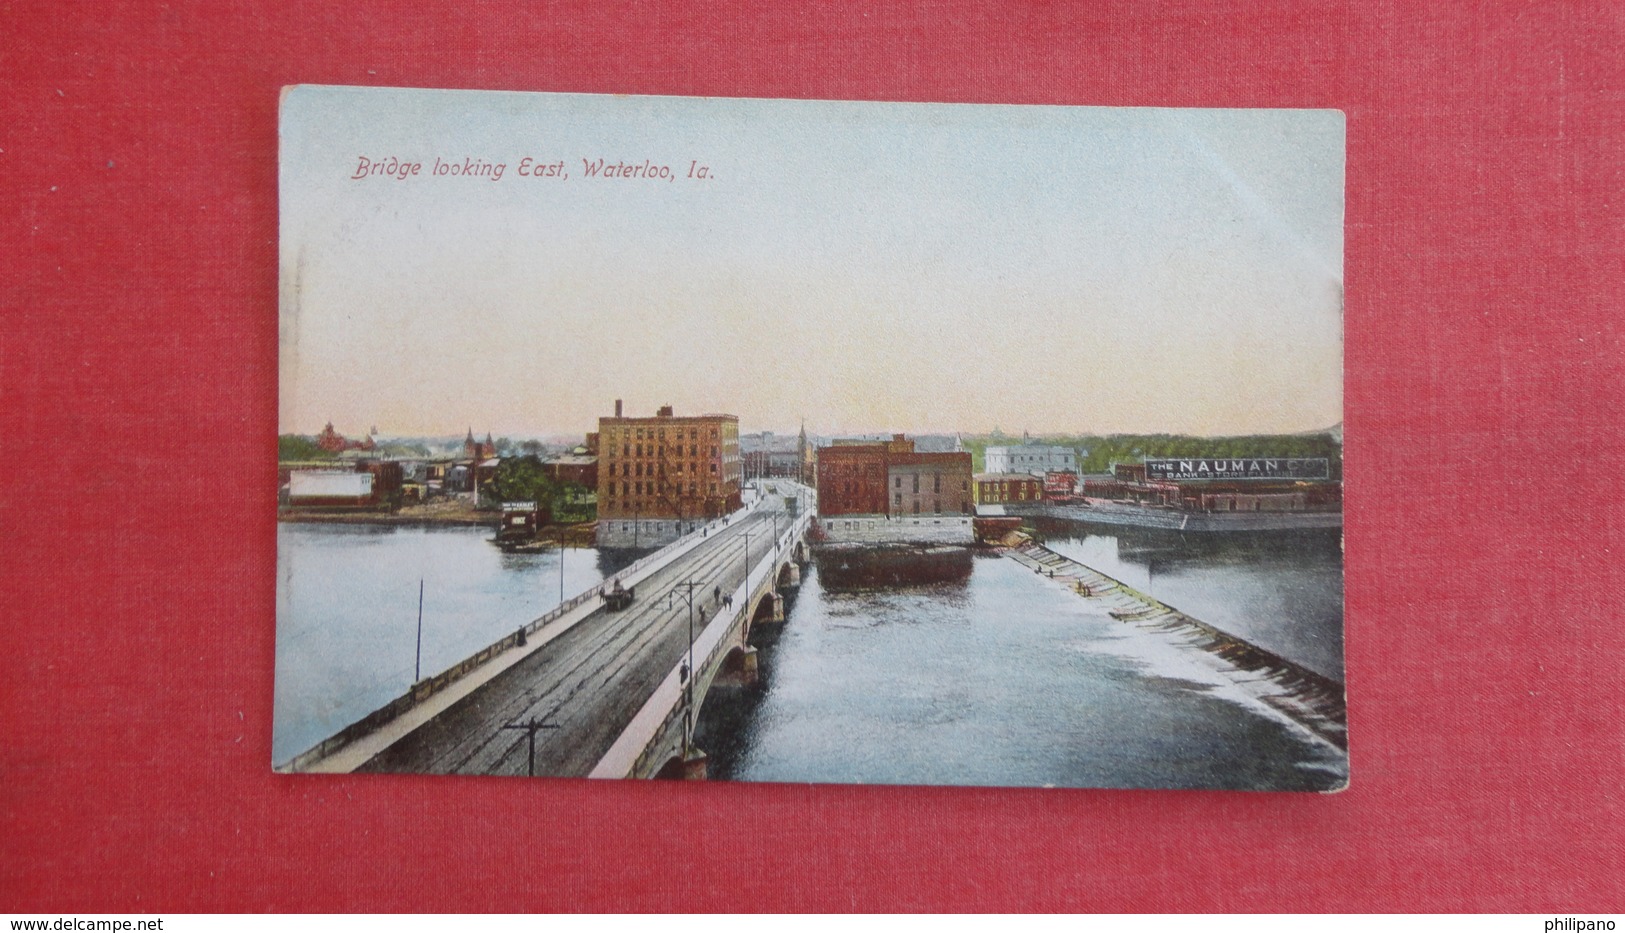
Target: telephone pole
<point>687,588</point>
<point>530,727</point>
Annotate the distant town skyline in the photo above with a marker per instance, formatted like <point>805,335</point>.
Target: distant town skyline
<point>576,437</point>
<point>861,267</point>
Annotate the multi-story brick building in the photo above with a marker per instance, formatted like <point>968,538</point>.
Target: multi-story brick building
<point>660,477</point>
<point>892,479</point>
<point>852,479</point>
<point>885,492</point>
<point>999,488</point>
<point>930,484</point>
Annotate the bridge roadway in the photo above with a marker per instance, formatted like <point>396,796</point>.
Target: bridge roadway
<point>589,681</point>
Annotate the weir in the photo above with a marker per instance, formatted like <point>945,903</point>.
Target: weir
<point>1312,700</point>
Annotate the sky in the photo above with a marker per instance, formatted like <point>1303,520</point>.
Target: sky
<point>851,266</point>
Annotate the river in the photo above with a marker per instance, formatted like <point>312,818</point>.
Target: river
<point>990,675</point>
<point>950,669</point>
<point>347,611</point>
<point>1281,590</point>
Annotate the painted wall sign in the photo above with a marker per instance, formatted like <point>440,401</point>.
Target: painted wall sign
<point>1306,468</point>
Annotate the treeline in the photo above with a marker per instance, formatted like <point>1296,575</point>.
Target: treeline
<point>292,447</point>
<point>299,447</point>
<point>524,479</point>
<point>1103,451</point>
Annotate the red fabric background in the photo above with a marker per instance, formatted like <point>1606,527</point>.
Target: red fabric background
<point>1484,285</point>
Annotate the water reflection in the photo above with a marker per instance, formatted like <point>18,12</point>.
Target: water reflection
<point>1281,590</point>
<point>844,569</point>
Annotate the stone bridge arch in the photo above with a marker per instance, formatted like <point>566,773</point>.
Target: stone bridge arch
<point>678,768</point>
<point>768,608</point>
<point>738,669</point>
<point>789,575</point>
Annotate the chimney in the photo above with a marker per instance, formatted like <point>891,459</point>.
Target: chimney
<point>664,412</point>
<point>617,408</point>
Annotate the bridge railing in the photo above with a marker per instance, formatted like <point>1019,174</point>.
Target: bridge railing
<point>429,686</point>
<point>635,750</point>
<point>720,644</point>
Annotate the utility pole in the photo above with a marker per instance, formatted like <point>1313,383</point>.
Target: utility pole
<point>688,587</point>
<point>530,727</point>
<point>417,665</point>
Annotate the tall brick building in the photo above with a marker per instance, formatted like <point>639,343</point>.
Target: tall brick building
<point>659,477</point>
<point>852,480</point>
<point>892,479</point>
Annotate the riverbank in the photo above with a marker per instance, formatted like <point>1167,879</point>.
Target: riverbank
<point>438,512</point>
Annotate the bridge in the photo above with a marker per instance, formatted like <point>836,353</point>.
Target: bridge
<point>592,691</point>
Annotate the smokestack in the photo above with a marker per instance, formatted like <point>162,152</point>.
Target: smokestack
<point>617,408</point>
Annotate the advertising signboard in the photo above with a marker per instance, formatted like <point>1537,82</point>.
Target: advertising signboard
<point>1233,468</point>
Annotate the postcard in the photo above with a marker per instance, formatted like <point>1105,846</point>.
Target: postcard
<point>811,441</point>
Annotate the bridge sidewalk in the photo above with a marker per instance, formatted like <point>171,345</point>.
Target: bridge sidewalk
<point>369,746</point>
<point>622,758</point>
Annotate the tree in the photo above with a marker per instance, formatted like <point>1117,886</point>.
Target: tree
<point>299,447</point>
<point>520,479</point>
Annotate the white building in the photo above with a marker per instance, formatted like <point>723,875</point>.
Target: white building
<point>1036,459</point>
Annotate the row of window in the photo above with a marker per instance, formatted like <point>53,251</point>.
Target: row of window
<point>651,525</point>
<point>936,483</point>
<point>676,450</point>
<point>998,491</point>
<point>851,469</point>
<point>693,433</point>
<point>637,469</point>
<point>936,504</point>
